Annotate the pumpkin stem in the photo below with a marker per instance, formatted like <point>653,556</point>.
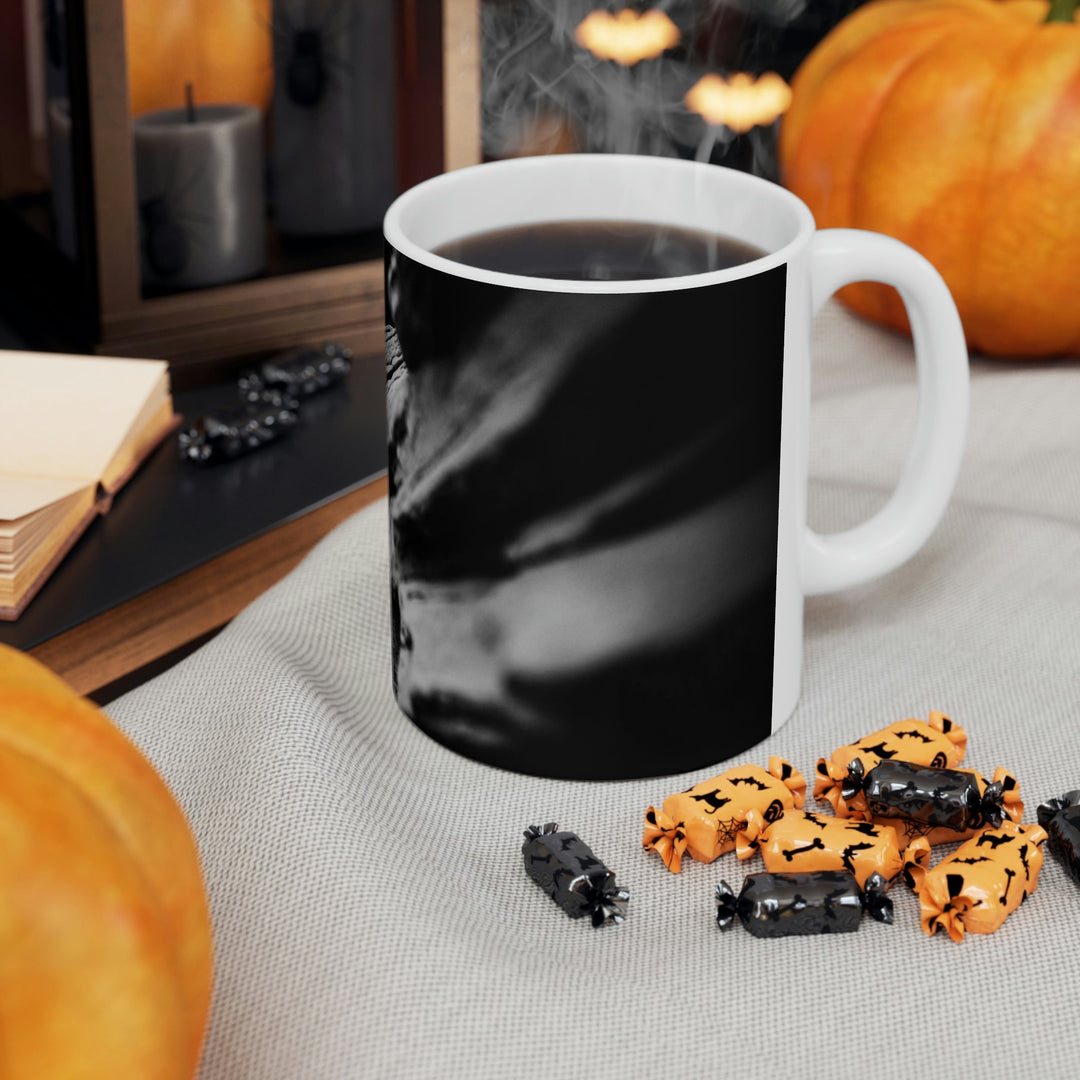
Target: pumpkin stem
<point>1061,11</point>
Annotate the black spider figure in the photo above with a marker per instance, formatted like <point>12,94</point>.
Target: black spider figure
<point>305,73</point>
<point>302,53</point>
<point>169,238</point>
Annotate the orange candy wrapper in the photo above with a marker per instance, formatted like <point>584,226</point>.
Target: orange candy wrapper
<point>798,842</point>
<point>704,820</point>
<point>975,889</point>
<point>908,830</point>
<point>939,743</point>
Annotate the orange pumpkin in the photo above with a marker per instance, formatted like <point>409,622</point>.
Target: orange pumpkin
<point>224,48</point>
<point>953,125</point>
<point>106,965</point>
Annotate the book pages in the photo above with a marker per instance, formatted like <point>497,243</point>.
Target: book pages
<point>67,417</point>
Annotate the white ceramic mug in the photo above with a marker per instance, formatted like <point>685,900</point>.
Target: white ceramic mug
<point>598,488</point>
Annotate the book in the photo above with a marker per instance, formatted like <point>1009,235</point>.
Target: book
<point>73,430</point>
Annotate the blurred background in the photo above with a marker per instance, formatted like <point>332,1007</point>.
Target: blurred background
<point>204,181</point>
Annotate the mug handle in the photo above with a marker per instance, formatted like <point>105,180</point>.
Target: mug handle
<point>838,560</point>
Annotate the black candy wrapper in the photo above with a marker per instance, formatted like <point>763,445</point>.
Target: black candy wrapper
<point>815,902</point>
<point>230,433</point>
<point>1061,820</point>
<point>937,798</point>
<point>563,865</point>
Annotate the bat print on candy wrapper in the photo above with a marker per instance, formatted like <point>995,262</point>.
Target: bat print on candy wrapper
<point>879,750</point>
<point>914,734</point>
<point>749,780</point>
<point>994,841</point>
<point>849,851</point>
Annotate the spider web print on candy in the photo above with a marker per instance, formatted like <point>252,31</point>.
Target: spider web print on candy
<point>704,820</point>
<point>977,887</point>
<point>799,841</point>
<point>938,742</point>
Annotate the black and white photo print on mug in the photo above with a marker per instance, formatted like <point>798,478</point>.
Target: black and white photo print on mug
<point>598,399</point>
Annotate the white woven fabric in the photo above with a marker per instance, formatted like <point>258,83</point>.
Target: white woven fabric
<point>372,915</point>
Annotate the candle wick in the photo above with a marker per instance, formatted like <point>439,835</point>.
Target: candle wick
<point>189,98</point>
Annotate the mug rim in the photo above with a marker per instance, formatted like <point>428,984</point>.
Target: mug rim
<point>395,235</point>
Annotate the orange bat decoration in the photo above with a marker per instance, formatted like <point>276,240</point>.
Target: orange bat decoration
<point>741,102</point>
<point>626,36</point>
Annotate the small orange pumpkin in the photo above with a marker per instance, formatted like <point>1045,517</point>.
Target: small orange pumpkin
<point>224,48</point>
<point>953,125</point>
<point>106,965</point>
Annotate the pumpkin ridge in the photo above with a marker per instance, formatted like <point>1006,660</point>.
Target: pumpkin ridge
<point>876,299</point>
<point>991,131</point>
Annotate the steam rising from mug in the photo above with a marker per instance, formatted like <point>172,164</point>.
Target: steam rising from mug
<point>544,93</point>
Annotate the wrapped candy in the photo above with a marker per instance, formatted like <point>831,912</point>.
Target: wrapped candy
<point>229,433</point>
<point>815,902</point>
<point>799,841</point>
<point>704,820</point>
<point>976,888</point>
<point>299,372</point>
<point>563,865</point>
<point>941,805</point>
<point>1061,820</point>
<point>937,742</point>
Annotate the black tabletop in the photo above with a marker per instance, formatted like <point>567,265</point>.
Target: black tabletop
<point>173,516</point>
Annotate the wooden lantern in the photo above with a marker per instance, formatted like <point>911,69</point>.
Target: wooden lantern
<point>206,332</point>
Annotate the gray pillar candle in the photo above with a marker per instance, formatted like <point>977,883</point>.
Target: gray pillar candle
<point>202,204</point>
<point>333,115</point>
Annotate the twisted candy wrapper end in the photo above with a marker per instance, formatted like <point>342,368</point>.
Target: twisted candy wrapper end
<point>533,831</point>
<point>854,780</point>
<point>1012,804</point>
<point>944,912</point>
<point>876,902</point>
<point>987,808</point>
<point>916,862</point>
<point>953,732</point>
<point>664,836</point>
<point>748,838</point>
<point>827,783</point>
<point>604,900</point>
<point>725,905</point>
<point>1045,811</point>
<point>793,780</point>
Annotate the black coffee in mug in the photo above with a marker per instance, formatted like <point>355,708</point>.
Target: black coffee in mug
<point>599,250</point>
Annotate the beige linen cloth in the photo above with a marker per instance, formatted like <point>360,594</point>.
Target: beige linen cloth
<point>371,912</point>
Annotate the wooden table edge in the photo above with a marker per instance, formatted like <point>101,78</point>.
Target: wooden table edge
<point>150,626</point>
